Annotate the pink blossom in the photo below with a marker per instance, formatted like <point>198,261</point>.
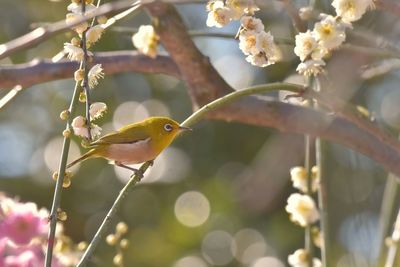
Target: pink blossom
<point>27,258</point>
<point>22,223</point>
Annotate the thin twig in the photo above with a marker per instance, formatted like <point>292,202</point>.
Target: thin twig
<point>188,122</point>
<point>85,81</point>
<point>394,243</point>
<point>308,237</point>
<point>229,98</point>
<point>111,214</point>
<point>60,180</point>
<point>322,187</point>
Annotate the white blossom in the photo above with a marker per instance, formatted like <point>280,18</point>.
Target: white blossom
<point>352,10</point>
<point>95,73</point>
<point>299,178</point>
<point>94,34</point>
<point>265,43</point>
<point>252,24</point>
<point>306,45</point>
<point>329,32</point>
<point>73,52</point>
<point>80,128</point>
<point>302,209</point>
<point>219,15</point>
<point>247,43</point>
<point>311,67</point>
<point>97,110</point>
<point>146,40</point>
<point>72,18</point>
<point>259,60</point>
<point>300,259</point>
<point>95,131</point>
<point>241,7</point>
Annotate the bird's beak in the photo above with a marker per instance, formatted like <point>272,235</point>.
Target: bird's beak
<point>183,128</point>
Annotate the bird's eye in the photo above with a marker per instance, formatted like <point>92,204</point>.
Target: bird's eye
<point>168,127</point>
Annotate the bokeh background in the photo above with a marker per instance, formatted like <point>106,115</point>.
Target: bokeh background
<point>216,197</point>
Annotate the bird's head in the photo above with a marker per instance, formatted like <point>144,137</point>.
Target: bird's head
<point>163,130</point>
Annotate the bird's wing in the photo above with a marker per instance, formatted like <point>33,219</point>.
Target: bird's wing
<point>126,135</point>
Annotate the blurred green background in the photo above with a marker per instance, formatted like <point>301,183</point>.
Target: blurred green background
<point>234,177</point>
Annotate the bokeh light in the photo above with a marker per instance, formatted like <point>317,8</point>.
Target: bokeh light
<point>192,209</point>
<point>218,247</point>
<point>359,234</point>
<point>17,147</point>
<point>190,261</point>
<point>250,245</point>
<point>268,262</point>
<point>52,153</point>
<point>239,77</point>
<point>129,112</point>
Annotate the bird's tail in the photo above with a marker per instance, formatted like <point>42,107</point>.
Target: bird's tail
<point>85,156</point>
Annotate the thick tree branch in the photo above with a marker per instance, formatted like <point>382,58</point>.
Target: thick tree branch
<point>205,85</point>
<point>40,71</point>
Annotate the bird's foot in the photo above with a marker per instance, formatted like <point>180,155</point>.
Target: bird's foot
<point>138,173</point>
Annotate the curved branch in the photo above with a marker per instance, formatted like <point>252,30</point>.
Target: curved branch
<point>40,71</point>
<point>205,85</point>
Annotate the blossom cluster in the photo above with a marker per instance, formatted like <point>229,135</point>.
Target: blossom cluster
<point>75,52</point>
<point>23,229</point>
<point>312,47</point>
<point>257,44</point>
<point>303,210</point>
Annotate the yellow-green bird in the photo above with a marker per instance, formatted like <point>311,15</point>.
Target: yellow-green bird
<point>135,143</point>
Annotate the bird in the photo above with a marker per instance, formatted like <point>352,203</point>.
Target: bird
<point>134,143</point>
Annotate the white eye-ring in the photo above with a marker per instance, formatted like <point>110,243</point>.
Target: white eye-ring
<point>168,127</point>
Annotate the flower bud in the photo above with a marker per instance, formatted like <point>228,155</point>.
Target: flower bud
<point>66,133</point>
<point>117,260</point>
<point>64,114</point>
<point>82,97</point>
<point>55,176</point>
<point>79,75</point>
<point>111,240</point>
<point>124,243</point>
<point>82,246</point>
<point>76,41</point>
<point>61,215</point>
<point>121,228</point>
<point>66,182</point>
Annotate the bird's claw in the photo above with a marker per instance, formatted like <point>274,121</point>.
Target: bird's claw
<point>138,173</point>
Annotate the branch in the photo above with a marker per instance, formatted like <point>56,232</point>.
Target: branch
<point>40,71</point>
<point>135,178</point>
<point>41,34</point>
<point>205,85</point>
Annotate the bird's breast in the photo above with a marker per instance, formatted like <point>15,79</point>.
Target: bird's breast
<point>132,153</point>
